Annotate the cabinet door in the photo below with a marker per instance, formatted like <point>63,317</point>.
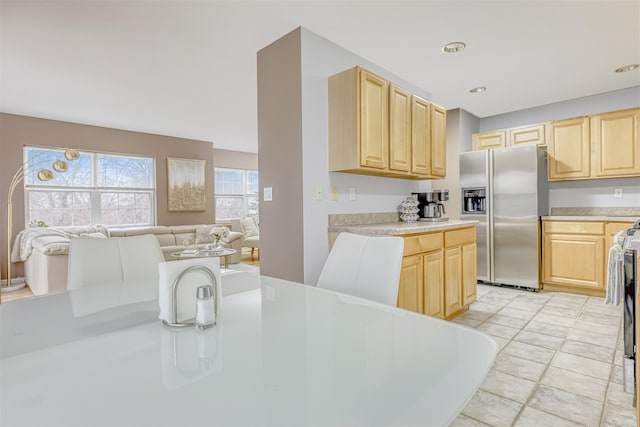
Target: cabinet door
<point>487,140</point>
<point>411,284</point>
<point>469,273</point>
<point>420,136</point>
<point>452,280</point>
<point>569,151</point>
<point>574,260</point>
<point>617,148</point>
<point>399,129</point>
<point>373,111</point>
<point>527,135</point>
<point>433,284</point>
<point>438,141</point>
<point>611,229</point>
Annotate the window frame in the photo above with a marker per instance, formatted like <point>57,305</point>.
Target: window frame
<point>245,195</point>
<point>95,191</point>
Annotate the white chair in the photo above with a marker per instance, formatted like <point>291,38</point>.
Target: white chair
<point>250,232</point>
<point>116,260</point>
<point>367,267</point>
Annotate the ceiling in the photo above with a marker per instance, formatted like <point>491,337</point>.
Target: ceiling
<point>188,68</point>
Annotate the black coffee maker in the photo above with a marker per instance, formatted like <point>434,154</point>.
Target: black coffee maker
<point>430,205</point>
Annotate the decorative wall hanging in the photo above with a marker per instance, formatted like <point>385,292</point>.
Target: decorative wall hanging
<point>187,189</point>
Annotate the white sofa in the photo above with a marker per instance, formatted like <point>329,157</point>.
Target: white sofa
<point>45,251</point>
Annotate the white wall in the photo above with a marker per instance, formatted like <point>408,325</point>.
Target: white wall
<point>321,59</point>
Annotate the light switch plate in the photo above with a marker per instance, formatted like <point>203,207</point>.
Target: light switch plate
<point>268,194</point>
<point>617,193</point>
<point>352,193</point>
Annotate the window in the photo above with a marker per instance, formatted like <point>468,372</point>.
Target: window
<point>97,189</point>
<point>236,193</point>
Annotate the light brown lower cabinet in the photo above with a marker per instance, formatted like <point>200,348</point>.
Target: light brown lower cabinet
<point>575,255</point>
<point>439,272</point>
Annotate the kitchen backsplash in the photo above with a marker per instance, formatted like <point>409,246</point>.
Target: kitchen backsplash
<point>596,211</point>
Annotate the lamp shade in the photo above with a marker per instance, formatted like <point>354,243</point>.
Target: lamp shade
<point>45,175</point>
<point>60,166</point>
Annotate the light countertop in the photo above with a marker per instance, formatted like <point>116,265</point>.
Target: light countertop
<point>400,228</point>
<point>590,218</point>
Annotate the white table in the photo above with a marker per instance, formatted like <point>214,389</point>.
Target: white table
<point>283,354</point>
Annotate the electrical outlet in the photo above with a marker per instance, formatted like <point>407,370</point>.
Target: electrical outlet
<point>617,193</point>
<point>334,193</point>
<point>352,193</point>
<point>318,192</point>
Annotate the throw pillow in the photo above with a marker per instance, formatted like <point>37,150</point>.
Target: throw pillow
<point>94,235</point>
<point>249,226</point>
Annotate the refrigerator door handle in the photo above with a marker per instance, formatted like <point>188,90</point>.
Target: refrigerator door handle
<point>489,210</point>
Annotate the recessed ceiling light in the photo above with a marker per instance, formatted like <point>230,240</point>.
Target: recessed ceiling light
<point>453,47</point>
<point>627,68</point>
<point>478,89</point>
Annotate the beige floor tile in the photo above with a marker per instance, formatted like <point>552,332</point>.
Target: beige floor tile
<point>541,340</point>
<point>531,417</point>
<point>517,367</point>
<point>617,396</point>
<point>616,416</point>
<point>478,315</point>
<point>467,321</point>
<point>600,319</point>
<point>547,329</point>
<point>560,311</point>
<point>554,320</point>
<point>508,386</point>
<point>592,338</point>
<point>579,384</point>
<point>464,421</point>
<point>587,350</point>
<point>617,357</point>
<point>495,299</point>
<point>498,330</point>
<point>582,325</point>
<point>512,322</point>
<point>529,352</point>
<point>522,304</point>
<point>567,405</point>
<point>491,409</point>
<point>519,314</point>
<point>609,310</point>
<point>502,342</point>
<point>483,307</point>
<point>582,365</point>
<point>617,376</point>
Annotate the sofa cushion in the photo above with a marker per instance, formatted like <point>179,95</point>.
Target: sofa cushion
<point>250,228</point>
<point>51,245</point>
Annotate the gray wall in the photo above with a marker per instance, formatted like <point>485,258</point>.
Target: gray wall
<point>280,158</point>
<point>302,221</point>
<point>585,193</point>
<point>234,159</point>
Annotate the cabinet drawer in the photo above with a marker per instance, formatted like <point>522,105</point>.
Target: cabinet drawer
<point>422,243</point>
<point>573,227</point>
<point>459,237</point>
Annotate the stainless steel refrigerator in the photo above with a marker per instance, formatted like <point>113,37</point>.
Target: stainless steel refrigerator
<point>506,190</point>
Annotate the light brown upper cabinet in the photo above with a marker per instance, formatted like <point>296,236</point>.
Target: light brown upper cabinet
<point>569,150</point>
<point>600,146</point>
<point>511,137</point>
<point>438,141</point>
<point>378,128</point>
<point>399,129</point>
<point>532,134</point>
<point>615,140</point>
<point>487,140</point>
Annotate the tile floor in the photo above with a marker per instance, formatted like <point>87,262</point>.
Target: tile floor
<point>559,362</point>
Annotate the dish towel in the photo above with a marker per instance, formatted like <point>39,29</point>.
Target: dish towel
<point>169,270</point>
<point>615,283</point>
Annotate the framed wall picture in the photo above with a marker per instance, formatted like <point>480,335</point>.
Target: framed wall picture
<point>187,189</point>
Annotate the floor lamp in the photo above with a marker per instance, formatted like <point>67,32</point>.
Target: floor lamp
<point>43,175</point>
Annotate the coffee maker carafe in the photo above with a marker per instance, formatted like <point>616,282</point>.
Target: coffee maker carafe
<point>430,205</point>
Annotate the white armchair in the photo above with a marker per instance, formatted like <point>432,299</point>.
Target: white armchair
<point>250,233</point>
